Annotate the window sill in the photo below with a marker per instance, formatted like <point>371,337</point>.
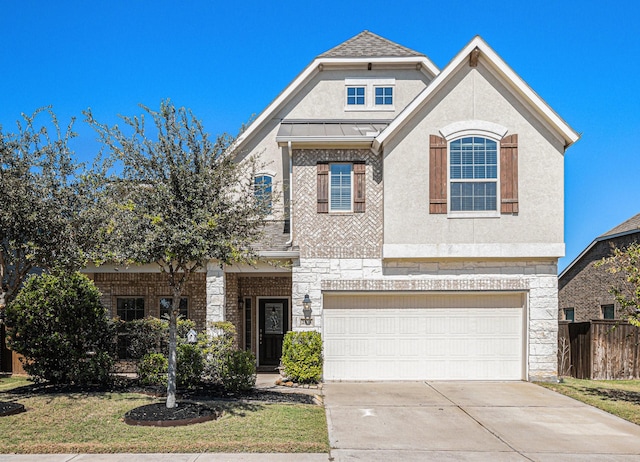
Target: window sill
<point>473,215</point>
<point>369,109</point>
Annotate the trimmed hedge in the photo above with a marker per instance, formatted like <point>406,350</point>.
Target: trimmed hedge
<point>302,356</point>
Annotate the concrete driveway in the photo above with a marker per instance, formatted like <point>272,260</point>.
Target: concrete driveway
<point>471,421</point>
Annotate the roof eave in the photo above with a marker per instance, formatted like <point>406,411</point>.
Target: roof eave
<point>499,65</point>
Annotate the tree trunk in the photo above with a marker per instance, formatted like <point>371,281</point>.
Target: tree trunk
<point>173,329</point>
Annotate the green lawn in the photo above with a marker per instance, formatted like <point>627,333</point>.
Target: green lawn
<point>618,397</point>
<point>93,423</point>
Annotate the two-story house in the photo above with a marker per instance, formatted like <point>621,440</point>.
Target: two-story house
<point>420,213</point>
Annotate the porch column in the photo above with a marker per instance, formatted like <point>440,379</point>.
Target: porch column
<point>215,293</point>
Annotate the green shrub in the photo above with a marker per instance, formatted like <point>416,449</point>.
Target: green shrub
<point>216,349</point>
<point>302,356</point>
<point>190,365</point>
<point>152,369</point>
<point>239,372</point>
<point>59,325</point>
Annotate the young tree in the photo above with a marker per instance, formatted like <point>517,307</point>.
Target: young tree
<point>46,198</point>
<point>626,263</point>
<point>181,200</point>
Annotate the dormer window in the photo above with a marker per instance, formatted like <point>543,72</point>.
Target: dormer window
<point>369,94</point>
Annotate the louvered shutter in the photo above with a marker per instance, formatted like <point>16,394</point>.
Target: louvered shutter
<point>359,187</point>
<point>437,174</point>
<point>509,174</point>
<point>323,187</point>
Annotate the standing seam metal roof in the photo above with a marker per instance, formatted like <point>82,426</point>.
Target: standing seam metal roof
<point>369,45</point>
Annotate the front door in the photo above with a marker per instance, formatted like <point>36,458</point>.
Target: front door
<point>273,323</point>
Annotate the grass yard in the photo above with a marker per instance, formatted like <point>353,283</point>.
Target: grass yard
<point>618,397</point>
<point>93,423</point>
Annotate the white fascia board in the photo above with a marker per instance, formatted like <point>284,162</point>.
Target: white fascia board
<point>507,74</point>
<point>280,100</point>
<point>326,139</point>
<point>411,60</point>
<point>525,250</point>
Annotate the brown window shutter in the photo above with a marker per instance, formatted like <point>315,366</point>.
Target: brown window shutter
<point>437,174</point>
<point>359,187</point>
<point>509,174</point>
<point>323,187</point>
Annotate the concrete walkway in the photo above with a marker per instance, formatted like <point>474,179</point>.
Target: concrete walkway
<point>471,421</point>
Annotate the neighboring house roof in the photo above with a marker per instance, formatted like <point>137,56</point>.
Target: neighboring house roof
<point>632,225</point>
<point>357,50</point>
<point>329,131</point>
<point>369,45</point>
<point>477,49</point>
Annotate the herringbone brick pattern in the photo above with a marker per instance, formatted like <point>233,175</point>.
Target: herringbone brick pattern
<point>327,235</point>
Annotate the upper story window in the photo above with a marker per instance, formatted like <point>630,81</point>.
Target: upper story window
<point>473,170</point>
<point>369,94</point>
<point>341,187</point>
<point>262,190</point>
<point>356,96</point>
<point>384,96</point>
<point>473,175</point>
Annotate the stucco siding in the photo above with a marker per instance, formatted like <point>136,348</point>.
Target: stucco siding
<point>475,95</point>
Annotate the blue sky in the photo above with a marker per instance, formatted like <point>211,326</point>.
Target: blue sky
<point>228,60</point>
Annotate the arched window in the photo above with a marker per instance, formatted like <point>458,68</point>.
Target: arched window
<point>473,174</point>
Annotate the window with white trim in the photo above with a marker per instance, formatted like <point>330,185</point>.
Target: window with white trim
<point>340,187</point>
<point>262,191</point>
<point>383,96</point>
<point>473,174</point>
<point>356,96</point>
<point>369,94</point>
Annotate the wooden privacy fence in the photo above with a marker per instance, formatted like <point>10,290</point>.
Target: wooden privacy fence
<point>599,349</point>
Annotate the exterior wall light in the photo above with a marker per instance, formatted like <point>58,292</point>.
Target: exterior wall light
<point>306,309</point>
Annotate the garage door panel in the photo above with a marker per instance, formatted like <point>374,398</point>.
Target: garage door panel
<point>481,343</point>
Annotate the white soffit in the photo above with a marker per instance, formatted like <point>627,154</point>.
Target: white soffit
<point>500,68</point>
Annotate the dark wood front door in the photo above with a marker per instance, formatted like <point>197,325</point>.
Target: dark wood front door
<point>273,323</point>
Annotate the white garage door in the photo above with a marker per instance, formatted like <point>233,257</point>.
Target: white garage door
<point>423,337</point>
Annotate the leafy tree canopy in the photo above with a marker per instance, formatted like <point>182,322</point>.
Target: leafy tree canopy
<point>180,200</point>
<point>46,217</point>
<point>626,263</point>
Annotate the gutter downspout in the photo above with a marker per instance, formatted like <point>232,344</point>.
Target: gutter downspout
<point>290,241</point>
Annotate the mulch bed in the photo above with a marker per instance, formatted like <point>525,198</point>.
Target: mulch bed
<point>158,415</point>
<point>8,408</point>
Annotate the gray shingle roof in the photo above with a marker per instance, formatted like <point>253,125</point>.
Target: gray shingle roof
<point>369,45</point>
<point>632,224</point>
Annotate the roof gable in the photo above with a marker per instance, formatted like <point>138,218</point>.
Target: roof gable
<point>474,50</point>
<point>369,45</point>
<point>632,225</point>
<point>363,49</point>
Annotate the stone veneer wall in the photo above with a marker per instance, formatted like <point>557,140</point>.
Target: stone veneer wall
<point>537,278</point>
<point>585,288</point>
<point>336,235</point>
<point>151,287</point>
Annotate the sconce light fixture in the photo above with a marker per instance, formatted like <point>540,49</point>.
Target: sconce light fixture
<point>306,309</point>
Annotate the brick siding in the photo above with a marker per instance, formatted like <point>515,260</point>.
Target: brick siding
<point>152,287</point>
<point>585,288</point>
